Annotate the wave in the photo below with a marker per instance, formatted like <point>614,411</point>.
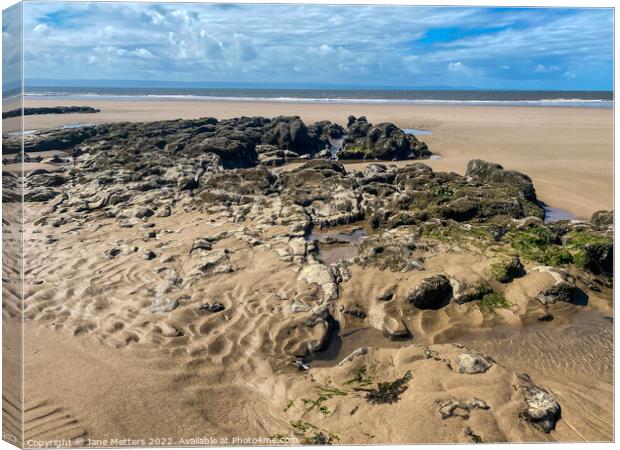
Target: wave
<point>565,102</point>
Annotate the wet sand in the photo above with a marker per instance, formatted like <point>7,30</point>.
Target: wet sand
<point>568,152</point>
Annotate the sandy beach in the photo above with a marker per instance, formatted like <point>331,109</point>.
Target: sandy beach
<point>173,271</point>
<point>568,152</point>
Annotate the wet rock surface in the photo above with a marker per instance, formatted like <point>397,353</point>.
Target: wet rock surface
<point>541,408</point>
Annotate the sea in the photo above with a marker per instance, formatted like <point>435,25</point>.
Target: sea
<point>583,99</point>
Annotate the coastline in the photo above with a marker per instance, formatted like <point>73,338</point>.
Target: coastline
<point>568,152</point>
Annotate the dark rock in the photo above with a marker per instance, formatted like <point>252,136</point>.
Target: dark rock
<point>433,292</point>
<point>212,307</point>
<point>50,110</point>
<point>494,173</point>
<point>507,269</point>
<point>384,141</point>
<point>289,133</point>
<point>143,212</point>
<point>602,219</point>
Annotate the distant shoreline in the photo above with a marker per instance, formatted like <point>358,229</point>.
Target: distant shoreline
<point>587,99</point>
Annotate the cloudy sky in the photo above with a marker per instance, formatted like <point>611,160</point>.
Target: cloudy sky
<point>312,44</point>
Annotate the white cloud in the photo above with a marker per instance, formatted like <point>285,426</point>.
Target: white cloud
<point>143,53</point>
<point>456,66</point>
<point>41,29</point>
<point>541,68</point>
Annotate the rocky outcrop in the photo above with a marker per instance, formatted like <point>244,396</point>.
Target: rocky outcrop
<point>50,110</point>
<point>382,141</point>
<point>602,219</point>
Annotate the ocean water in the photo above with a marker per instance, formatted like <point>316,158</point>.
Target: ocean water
<point>588,99</point>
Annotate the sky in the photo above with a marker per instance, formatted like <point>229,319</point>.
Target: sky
<point>305,45</point>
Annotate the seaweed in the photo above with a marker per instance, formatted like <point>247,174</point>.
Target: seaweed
<point>360,377</point>
<point>325,393</point>
<point>490,302</point>
<point>320,437</point>
<point>389,391</point>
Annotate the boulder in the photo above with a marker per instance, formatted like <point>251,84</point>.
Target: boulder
<point>383,141</point>
<point>541,408</point>
<point>602,219</point>
<point>433,292</point>
<point>506,269</point>
<point>559,288</point>
<point>322,276</point>
<point>472,363</point>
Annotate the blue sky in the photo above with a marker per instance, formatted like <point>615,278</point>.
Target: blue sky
<point>495,48</point>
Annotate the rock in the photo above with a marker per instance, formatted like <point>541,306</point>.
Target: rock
<point>460,408</point>
<point>201,244</point>
<point>386,296</point>
<point>541,408</point>
<point>507,269</point>
<point>212,307</point>
<point>395,329</point>
<point>224,268</point>
<point>321,275</point>
<point>602,219</point>
<point>112,252</point>
<point>40,195</point>
<point>494,173</point>
<point>143,212</point>
<point>468,291</point>
<point>433,292</point>
<point>149,255</point>
<point>49,110</point>
<point>472,363</point>
<point>384,141</point>
<point>164,212</point>
<point>598,257</point>
<point>289,133</point>
<point>561,286</point>
<point>389,251</point>
<point>161,305</point>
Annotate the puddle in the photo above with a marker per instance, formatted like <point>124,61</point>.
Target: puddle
<point>78,125</point>
<point>339,235</point>
<point>338,243</point>
<point>342,345</point>
<point>584,345</point>
<point>557,214</point>
<point>434,157</point>
<point>581,344</point>
<point>416,131</point>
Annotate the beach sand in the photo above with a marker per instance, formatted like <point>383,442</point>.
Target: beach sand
<point>568,152</point>
<point>105,359</point>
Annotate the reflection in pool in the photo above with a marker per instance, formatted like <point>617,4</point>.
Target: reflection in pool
<point>416,131</point>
